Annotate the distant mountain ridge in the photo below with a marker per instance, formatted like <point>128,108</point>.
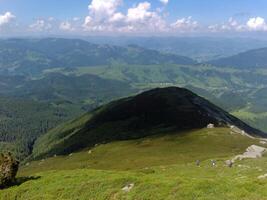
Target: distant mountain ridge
<point>252,59</point>
<point>198,48</point>
<point>33,55</point>
<point>149,113</point>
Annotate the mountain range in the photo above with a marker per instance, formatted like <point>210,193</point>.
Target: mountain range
<point>31,56</point>
<point>59,76</point>
<point>252,59</point>
<point>95,121</point>
<point>201,49</point>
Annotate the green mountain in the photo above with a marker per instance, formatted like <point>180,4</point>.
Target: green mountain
<point>145,147</point>
<point>248,60</point>
<point>149,113</point>
<point>31,56</point>
<point>199,48</point>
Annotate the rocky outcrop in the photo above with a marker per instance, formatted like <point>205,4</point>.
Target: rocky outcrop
<point>253,152</point>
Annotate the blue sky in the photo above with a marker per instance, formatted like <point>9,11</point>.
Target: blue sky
<point>131,16</point>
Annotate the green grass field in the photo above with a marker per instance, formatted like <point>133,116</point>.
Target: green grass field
<point>160,167</point>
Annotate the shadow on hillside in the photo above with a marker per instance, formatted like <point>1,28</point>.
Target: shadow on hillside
<point>22,180</point>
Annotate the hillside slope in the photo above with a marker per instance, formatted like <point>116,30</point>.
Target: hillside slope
<point>256,58</point>
<point>31,56</point>
<point>146,114</point>
<point>160,167</point>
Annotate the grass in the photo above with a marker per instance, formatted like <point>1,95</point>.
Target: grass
<point>254,119</point>
<point>161,167</point>
<point>152,151</point>
<point>174,182</point>
<point>249,115</point>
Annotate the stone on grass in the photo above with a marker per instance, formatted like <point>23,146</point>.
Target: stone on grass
<point>128,187</point>
<point>262,176</point>
<point>262,142</point>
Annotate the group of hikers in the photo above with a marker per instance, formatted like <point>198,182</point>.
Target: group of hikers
<point>229,163</point>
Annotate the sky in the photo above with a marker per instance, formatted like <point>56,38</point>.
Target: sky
<point>132,17</point>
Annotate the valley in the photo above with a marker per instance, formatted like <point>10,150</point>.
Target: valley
<point>69,92</point>
<point>133,100</point>
<point>94,121</point>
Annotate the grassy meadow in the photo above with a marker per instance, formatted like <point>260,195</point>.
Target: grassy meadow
<point>160,167</point>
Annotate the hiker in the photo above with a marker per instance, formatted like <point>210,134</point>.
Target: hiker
<point>213,163</point>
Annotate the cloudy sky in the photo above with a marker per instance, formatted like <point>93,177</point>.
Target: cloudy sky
<point>132,17</point>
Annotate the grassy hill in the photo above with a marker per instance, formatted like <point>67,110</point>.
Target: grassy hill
<point>165,148</point>
<point>160,167</point>
<point>251,59</point>
<point>150,141</point>
<point>146,114</point>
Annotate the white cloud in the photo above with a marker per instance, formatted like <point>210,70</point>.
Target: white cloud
<point>66,26</point>
<point>40,25</point>
<point>257,24</point>
<point>101,9</point>
<point>6,18</point>
<point>88,22</point>
<point>185,24</point>
<point>141,19</point>
<point>252,24</point>
<point>104,16</point>
<point>117,17</point>
<point>102,13</point>
<point>231,25</point>
<point>164,1</point>
<point>140,12</point>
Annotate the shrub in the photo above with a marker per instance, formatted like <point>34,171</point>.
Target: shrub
<point>8,169</point>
